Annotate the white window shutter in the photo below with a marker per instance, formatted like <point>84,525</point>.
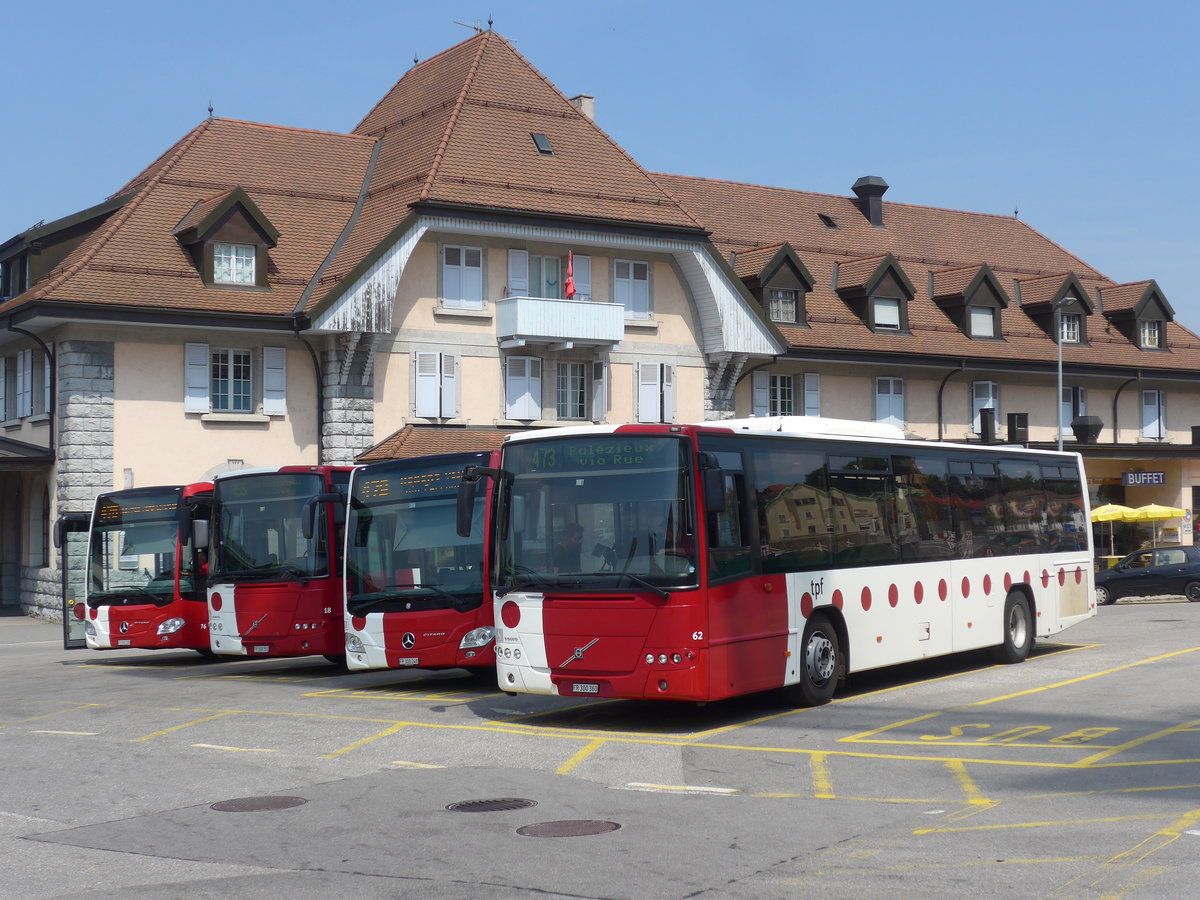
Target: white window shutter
<point>472,277</point>
<point>668,393</point>
<point>599,389</point>
<point>582,270</point>
<point>534,401</point>
<point>760,393</point>
<point>426,378</point>
<point>523,387</point>
<point>812,394</point>
<point>196,378</point>
<point>649,397</point>
<point>47,372</point>
<point>24,383</point>
<point>3,388</point>
<point>449,392</point>
<point>1082,401</point>
<point>518,273</point>
<point>274,381</point>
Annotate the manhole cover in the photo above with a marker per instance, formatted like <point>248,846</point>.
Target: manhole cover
<point>258,804</point>
<point>498,805</point>
<point>567,828</point>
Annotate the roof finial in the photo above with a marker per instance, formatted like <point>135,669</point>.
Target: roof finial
<point>1016,213</point>
<point>210,108</point>
<point>415,60</point>
<point>490,22</point>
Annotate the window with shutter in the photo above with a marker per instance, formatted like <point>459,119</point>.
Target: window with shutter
<point>274,381</point>
<point>523,387</point>
<point>889,401</point>
<point>462,277</point>
<point>631,287</point>
<point>984,395</point>
<point>1154,419</point>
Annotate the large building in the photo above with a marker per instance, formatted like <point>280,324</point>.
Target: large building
<point>478,256</point>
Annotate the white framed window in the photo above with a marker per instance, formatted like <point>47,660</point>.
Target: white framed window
<point>984,395</point>
<point>1150,335</point>
<point>581,271</point>
<point>572,390</point>
<point>983,322</point>
<point>889,401</point>
<point>887,314</point>
<point>221,380</point>
<point>233,263</point>
<point>462,277</point>
<point>435,385</point>
<point>631,287</point>
<point>522,387</point>
<point>782,305</point>
<point>655,392</point>
<point>231,386</point>
<point>774,395</point>
<point>1154,415</point>
<point>1074,403</point>
<point>1070,328</point>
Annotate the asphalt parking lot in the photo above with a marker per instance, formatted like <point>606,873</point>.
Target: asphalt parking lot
<point>154,775</point>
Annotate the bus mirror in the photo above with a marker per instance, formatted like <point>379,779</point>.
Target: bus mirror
<point>67,523</point>
<point>308,519</point>
<point>465,510</point>
<point>714,490</point>
<point>200,533</point>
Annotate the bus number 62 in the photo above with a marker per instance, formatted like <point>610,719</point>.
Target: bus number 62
<point>697,635</point>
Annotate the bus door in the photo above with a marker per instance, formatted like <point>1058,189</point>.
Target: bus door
<point>71,539</point>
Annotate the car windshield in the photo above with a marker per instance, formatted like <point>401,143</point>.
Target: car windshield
<point>599,513</point>
<point>403,551</point>
<point>134,548</point>
<point>260,522</point>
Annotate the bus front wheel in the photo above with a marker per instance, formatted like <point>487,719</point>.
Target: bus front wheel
<point>820,663</point>
<point>1018,630</point>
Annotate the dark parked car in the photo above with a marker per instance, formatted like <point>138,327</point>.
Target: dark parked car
<point>1146,573</point>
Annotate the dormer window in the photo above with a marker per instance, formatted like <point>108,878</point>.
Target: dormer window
<point>886,314</point>
<point>983,322</point>
<point>782,305</point>
<point>233,263</point>
<point>1150,334</point>
<point>1070,328</point>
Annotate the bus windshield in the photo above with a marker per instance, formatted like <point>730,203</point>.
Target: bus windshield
<point>260,527</point>
<point>134,547</point>
<point>597,513</point>
<point>403,551</point>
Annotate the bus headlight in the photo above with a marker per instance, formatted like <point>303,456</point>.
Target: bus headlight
<point>89,628</point>
<point>354,643</point>
<point>477,637</point>
<point>171,626</point>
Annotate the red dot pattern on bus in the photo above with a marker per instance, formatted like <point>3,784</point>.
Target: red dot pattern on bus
<point>359,622</point>
<point>838,600</point>
<point>1045,578</point>
<point>1079,574</point>
<point>987,584</point>
<point>215,602</point>
<point>806,605</point>
<point>510,614</point>
<point>95,613</point>
<point>918,592</point>
<point>966,587</point>
<point>893,595</point>
<point>866,598</point>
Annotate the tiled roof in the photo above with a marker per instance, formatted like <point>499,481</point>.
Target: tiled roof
<point>420,440</point>
<point>305,182</point>
<point>456,129</point>
<point>746,217</point>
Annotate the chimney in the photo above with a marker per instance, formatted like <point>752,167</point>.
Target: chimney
<point>870,190</point>
<point>586,104</point>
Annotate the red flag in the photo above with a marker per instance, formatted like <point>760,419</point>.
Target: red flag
<point>569,283</point>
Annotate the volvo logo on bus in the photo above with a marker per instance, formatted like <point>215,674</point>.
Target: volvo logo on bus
<point>124,628</point>
<point>578,654</point>
<point>408,641</point>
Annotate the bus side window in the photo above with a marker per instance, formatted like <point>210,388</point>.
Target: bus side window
<point>791,494</point>
<point>728,531</point>
<point>925,526</point>
<point>1024,507</point>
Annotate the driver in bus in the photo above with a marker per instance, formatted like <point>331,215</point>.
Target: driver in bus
<point>567,553</point>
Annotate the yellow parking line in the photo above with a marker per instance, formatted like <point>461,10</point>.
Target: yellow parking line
<point>1136,742</point>
<point>975,796</point>
<point>1049,824</point>
<point>581,754</point>
<point>336,753</point>
<point>153,735</point>
<point>57,712</point>
<point>822,783</point>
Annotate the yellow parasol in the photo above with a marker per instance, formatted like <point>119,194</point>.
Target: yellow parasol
<point>1152,512</point>
<point>1113,512</point>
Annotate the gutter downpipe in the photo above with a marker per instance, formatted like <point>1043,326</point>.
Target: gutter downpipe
<point>320,378</point>
<point>53,410</point>
<point>962,367</point>
<point>1116,397</point>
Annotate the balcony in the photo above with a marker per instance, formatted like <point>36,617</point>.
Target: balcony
<point>562,324</point>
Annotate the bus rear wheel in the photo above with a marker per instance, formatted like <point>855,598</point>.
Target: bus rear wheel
<point>820,663</point>
<point>1018,630</point>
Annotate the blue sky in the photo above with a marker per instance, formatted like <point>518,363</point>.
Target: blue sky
<point>1084,116</point>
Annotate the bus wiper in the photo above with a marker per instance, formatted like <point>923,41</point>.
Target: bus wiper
<point>366,601</point>
<point>638,579</point>
<point>516,572</point>
<point>459,603</point>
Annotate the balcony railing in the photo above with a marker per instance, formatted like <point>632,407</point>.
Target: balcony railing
<point>534,320</point>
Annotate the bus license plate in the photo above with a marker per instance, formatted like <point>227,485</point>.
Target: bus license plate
<point>260,648</point>
<point>585,687</point>
<point>408,661</point>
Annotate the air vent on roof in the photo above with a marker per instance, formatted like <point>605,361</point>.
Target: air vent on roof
<point>827,221</point>
<point>542,143</point>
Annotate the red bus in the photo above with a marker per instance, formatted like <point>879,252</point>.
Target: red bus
<point>702,562</point>
<point>414,587</point>
<point>145,585</point>
<point>275,569</point>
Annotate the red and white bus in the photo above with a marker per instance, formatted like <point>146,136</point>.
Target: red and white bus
<point>414,587</point>
<point>145,584</point>
<point>702,562</point>
<point>275,572</point>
